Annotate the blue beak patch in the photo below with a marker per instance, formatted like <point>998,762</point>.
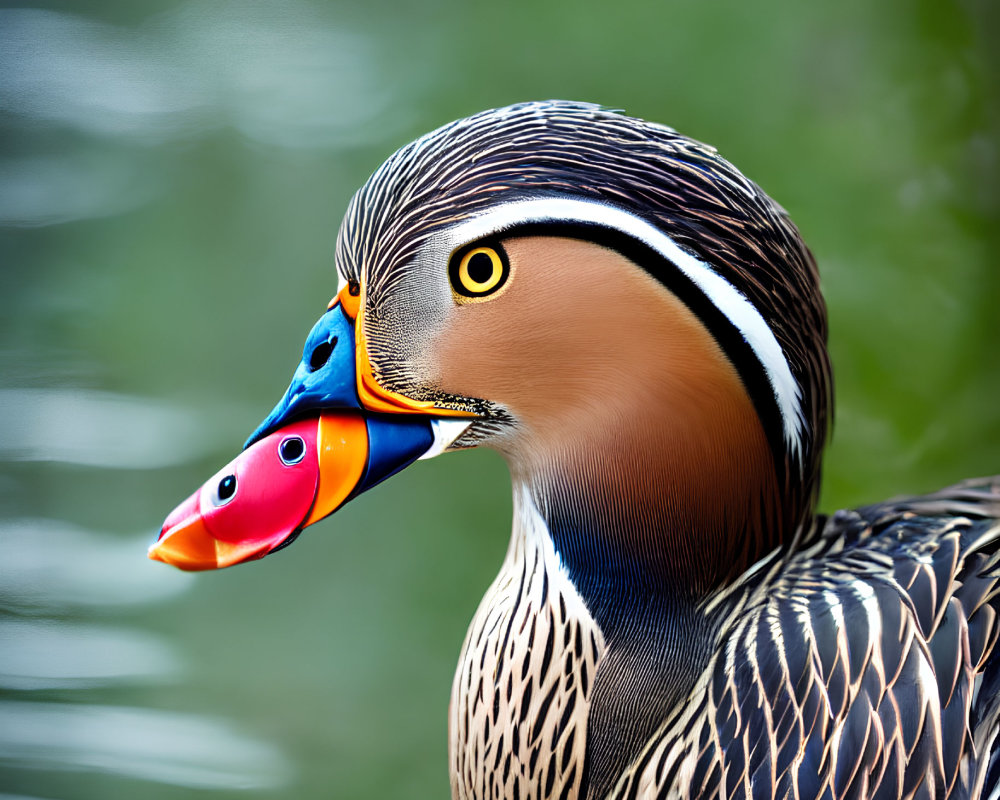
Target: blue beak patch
<point>325,378</point>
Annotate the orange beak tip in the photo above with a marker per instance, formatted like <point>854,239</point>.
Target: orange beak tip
<point>187,545</point>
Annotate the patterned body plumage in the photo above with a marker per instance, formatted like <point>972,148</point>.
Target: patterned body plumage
<point>524,681</point>
<point>862,665</point>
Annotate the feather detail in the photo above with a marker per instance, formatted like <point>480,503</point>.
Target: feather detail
<point>866,667</point>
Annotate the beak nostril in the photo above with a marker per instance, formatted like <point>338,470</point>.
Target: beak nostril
<point>321,354</point>
<point>291,450</point>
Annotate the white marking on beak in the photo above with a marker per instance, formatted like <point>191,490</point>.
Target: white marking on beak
<point>446,431</point>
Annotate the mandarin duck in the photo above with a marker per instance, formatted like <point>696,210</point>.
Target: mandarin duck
<point>638,329</point>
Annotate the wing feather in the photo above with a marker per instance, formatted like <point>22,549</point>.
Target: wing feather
<point>865,666</point>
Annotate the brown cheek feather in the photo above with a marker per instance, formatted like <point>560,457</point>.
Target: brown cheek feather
<point>622,398</point>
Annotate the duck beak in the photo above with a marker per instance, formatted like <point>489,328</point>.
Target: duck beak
<point>334,434</point>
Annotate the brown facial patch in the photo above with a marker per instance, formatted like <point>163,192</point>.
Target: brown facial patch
<point>622,397</point>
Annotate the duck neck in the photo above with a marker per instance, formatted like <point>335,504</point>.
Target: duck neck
<point>655,640</point>
<point>669,510</point>
<point>648,521</point>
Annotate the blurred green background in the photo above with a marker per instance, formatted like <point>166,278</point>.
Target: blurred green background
<point>172,176</point>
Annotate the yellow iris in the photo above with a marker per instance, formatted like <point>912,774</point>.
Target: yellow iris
<point>480,271</point>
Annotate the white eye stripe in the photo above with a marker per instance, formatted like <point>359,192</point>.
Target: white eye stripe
<point>740,312</point>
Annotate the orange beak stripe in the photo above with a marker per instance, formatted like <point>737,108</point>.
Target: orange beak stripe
<point>342,452</point>
<point>373,396</point>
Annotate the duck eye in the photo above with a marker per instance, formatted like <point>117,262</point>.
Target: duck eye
<point>225,491</point>
<point>478,272</point>
<point>291,450</point>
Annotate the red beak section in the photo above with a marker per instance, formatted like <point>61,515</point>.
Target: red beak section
<point>287,480</point>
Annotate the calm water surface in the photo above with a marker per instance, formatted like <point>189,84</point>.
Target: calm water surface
<point>171,180</point>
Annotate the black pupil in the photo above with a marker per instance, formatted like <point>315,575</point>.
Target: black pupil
<point>292,449</point>
<point>321,354</point>
<point>227,487</point>
<point>480,268</point>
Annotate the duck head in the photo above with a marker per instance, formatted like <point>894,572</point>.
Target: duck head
<point>615,308</point>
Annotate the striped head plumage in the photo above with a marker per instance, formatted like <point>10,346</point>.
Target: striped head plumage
<point>638,329</point>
